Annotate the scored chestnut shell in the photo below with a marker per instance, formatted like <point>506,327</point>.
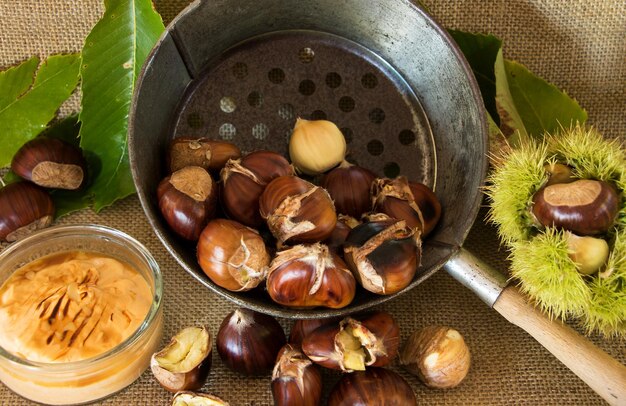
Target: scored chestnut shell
<point>208,154</point>
<point>243,181</point>
<point>308,276</point>
<point>187,200</point>
<point>412,202</point>
<point>248,342</point>
<point>349,187</point>
<point>232,255</point>
<point>24,208</point>
<point>584,207</point>
<point>375,386</point>
<point>297,211</point>
<point>296,381</point>
<point>184,363</point>
<point>51,163</point>
<point>369,339</point>
<point>302,328</point>
<point>383,255</point>
<point>197,399</point>
<point>342,228</point>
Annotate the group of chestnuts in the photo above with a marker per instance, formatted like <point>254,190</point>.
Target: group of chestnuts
<point>42,163</point>
<point>308,240</point>
<point>358,346</point>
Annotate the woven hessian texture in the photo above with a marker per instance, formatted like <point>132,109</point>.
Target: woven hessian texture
<point>578,45</point>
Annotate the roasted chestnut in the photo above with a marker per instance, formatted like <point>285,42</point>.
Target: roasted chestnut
<point>24,208</point>
<point>187,200</point>
<point>296,381</point>
<point>208,154</point>
<point>197,399</point>
<point>370,339</point>
<point>248,342</point>
<point>584,207</point>
<point>302,328</point>
<point>232,255</point>
<point>243,181</point>
<point>297,211</point>
<point>375,386</point>
<point>383,255</point>
<point>184,364</point>
<point>349,187</point>
<point>412,202</point>
<point>51,163</point>
<point>342,228</point>
<point>310,276</point>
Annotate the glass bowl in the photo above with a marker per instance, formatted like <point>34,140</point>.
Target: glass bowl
<point>90,379</point>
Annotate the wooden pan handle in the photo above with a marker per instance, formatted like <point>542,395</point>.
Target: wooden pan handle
<point>605,375</point>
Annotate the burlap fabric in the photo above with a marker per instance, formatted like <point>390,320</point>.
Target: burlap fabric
<point>578,45</point>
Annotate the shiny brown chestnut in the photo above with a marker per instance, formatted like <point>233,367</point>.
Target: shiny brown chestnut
<point>584,207</point>
<point>184,363</point>
<point>243,181</point>
<point>302,328</point>
<point>375,386</point>
<point>232,255</point>
<point>209,154</point>
<point>342,228</point>
<point>306,276</point>
<point>187,200</point>
<point>349,187</point>
<point>296,381</point>
<point>297,211</point>
<point>369,339</point>
<point>412,202</point>
<point>51,163</point>
<point>24,208</point>
<point>383,255</point>
<point>248,342</point>
<point>197,399</point>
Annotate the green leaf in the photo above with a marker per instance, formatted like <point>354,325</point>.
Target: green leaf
<point>481,52</point>
<point>113,55</point>
<point>511,123</point>
<point>27,105</point>
<point>66,129</point>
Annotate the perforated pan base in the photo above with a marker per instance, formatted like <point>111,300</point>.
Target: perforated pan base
<point>254,93</point>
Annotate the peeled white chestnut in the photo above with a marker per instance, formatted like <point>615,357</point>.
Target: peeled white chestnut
<point>184,364</point>
<point>438,355</point>
<point>51,163</point>
<point>297,211</point>
<point>349,187</point>
<point>316,146</point>
<point>24,208</point>
<point>296,381</point>
<point>232,255</point>
<point>197,399</point>
<point>208,154</point>
<point>187,200</point>
<point>588,253</point>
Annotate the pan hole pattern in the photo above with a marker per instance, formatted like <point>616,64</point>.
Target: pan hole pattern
<point>228,104</point>
<point>391,169</point>
<point>240,70</point>
<point>406,137</point>
<point>377,115</point>
<point>375,147</point>
<point>306,55</point>
<point>260,131</point>
<point>369,81</point>
<point>307,87</point>
<point>227,131</point>
<point>346,104</point>
<point>348,134</point>
<point>195,120</point>
<point>319,115</point>
<point>255,99</point>
<point>333,80</point>
<point>286,111</point>
<point>276,76</point>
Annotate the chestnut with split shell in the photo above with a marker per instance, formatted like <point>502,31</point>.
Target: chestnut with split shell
<point>187,200</point>
<point>349,187</point>
<point>370,339</point>
<point>297,211</point>
<point>302,328</point>
<point>375,386</point>
<point>197,399</point>
<point>248,342</point>
<point>584,207</point>
<point>342,228</point>
<point>243,181</point>
<point>296,381</point>
<point>307,276</point>
<point>51,163</point>
<point>232,255</point>
<point>24,208</point>
<point>209,154</point>
<point>383,255</point>
<point>184,364</point>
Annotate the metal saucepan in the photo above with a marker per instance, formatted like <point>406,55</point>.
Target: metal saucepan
<point>387,75</point>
